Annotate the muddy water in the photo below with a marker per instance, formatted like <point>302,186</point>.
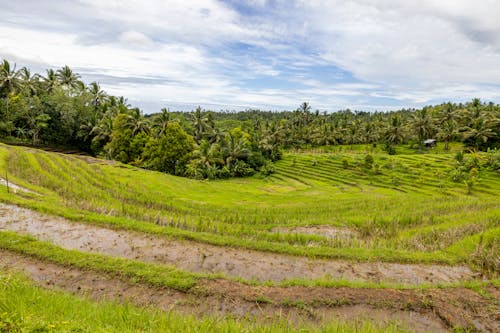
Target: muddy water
<point>234,302</point>
<point>199,257</point>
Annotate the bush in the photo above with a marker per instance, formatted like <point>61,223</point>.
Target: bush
<point>390,149</point>
<point>368,162</point>
<point>241,169</point>
<point>267,169</point>
<point>345,163</point>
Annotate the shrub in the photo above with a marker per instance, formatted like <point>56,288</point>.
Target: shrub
<point>368,162</point>
<point>241,169</point>
<point>345,163</point>
<point>267,169</point>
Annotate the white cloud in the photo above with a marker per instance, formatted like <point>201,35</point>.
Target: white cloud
<point>135,38</point>
<point>391,53</point>
<point>409,41</point>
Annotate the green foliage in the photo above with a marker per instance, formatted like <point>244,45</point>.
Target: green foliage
<point>169,153</point>
<point>123,145</point>
<point>267,169</point>
<point>368,162</point>
<point>58,109</point>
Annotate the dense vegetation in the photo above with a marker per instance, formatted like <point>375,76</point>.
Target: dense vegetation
<point>58,109</point>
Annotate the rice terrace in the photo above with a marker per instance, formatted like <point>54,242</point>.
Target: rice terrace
<point>249,211</point>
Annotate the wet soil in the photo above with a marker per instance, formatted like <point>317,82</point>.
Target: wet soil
<point>420,310</point>
<point>199,257</point>
<point>320,230</point>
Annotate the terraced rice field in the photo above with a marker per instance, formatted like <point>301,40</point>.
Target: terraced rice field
<point>323,243</point>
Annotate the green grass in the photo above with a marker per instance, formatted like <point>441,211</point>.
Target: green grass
<point>167,276</point>
<point>135,271</point>
<point>27,308</point>
<point>407,211</point>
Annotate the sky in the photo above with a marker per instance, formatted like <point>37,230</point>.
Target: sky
<point>272,55</point>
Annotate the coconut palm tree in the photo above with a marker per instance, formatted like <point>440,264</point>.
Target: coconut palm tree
<point>68,78</point>
<point>161,122</point>
<point>136,122</point>
<point>102,131</point>
<point>447,131</point>
<point>421,124</point>
<point>9,78</point>
<point>479,131</point>
<point>236,148</point>
<point>98,95</point>
<point>29,82</point>
<point>395,132</point>
<point>50,80</point>
<point>200,124</point>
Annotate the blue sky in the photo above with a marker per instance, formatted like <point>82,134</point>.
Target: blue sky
<point>273,55</point>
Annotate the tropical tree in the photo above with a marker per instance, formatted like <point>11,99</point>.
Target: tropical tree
<point>395,131</point>
<point>50,80</point>
<point>98,95</point>
<point>237,146</point>
<point>30,83</point>
<point>171,152</point>
<point>447,131</point>
<point>421,124</point>
<point>136,122</point>
<point>200,124</point>
<point>67,78</point>
<point>9,79</point>
<point>160,122</point>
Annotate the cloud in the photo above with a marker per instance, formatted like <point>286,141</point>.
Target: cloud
<point>135,38</point>
<point>364,54</point>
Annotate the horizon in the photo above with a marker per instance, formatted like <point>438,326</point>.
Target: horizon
<point>266,55</point>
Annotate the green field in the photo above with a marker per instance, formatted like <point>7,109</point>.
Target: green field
<point>408,211</point>
<point>402,208</point>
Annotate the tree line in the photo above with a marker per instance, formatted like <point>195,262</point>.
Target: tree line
<point>57,108</point>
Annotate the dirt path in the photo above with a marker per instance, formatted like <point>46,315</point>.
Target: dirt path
<point>422,311</point>
<point>199,257</point>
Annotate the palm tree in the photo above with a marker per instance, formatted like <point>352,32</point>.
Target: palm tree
<point>305,107</point>
<point>421,124</point>
<point>208,155</point>
<point>50,80</point>
<point>68,78</point>
<point>98,96</point>
<point>102,131</point>
<point>29,82</point>
<point>447,113</point>
<point>395,133</point>
<point>199,123</point>
<point>324,135</point>
<point>136,122</point>
<point>237,148</point>
<point>161,122</point>
<point>479,131</point>
<point>447,131</point>
<point>9,78</point>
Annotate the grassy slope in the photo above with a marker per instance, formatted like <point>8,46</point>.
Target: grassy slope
<point>408,212</point>
<point>26,308</point>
